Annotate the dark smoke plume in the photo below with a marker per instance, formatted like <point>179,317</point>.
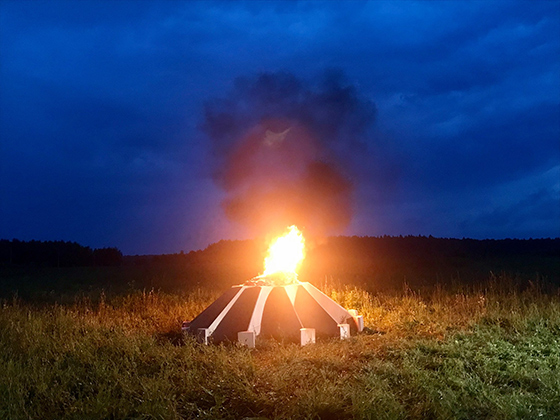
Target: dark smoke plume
<point>284,150</point>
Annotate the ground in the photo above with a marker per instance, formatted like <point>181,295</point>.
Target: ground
<point>480,352</point>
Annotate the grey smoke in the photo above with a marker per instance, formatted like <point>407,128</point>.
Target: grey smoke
<point>284,149</point>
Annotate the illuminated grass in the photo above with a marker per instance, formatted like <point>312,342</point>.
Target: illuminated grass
<point>478,354</point>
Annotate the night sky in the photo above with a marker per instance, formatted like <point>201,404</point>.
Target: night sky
<point>158,127</point>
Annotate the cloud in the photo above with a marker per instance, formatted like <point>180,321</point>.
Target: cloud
<point>535,215</point>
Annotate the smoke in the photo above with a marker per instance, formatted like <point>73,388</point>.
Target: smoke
<point>284,150</point>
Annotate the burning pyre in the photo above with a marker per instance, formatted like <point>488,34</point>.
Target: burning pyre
<point>284,257</point>
<point>275,304</point>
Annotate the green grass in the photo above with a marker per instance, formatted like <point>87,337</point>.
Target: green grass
<point>472,354</point>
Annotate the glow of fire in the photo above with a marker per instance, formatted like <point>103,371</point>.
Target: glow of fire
<point>284,257</point>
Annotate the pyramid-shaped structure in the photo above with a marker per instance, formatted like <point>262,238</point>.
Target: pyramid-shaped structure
<point>284,312</point>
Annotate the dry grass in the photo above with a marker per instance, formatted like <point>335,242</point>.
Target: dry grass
<point>491,353</point>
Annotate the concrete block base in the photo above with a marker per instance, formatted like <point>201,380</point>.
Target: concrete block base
<point>203,335</point>
<point>358,319</point>
<point>247,338</point>
<point>344,331</point>
<point>307,336</point>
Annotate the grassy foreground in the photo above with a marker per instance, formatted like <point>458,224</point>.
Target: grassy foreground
<point>489,353</point>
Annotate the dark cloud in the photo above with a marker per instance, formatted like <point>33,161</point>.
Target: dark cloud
<point>493,151</point>
<point>536,215</point>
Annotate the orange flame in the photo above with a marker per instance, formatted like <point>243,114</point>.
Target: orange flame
<point>284,257</point>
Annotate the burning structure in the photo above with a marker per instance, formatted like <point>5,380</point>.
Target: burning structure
<point>275,304</point>
<point>285,150</point>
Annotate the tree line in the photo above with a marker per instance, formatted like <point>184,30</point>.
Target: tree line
<point>56,254</point>
<point>373,263</point>
<point>384,261</point>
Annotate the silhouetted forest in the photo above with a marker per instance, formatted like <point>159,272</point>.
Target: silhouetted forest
<point>377,262</point>
<point>40,270</point>
<point>56,254</point>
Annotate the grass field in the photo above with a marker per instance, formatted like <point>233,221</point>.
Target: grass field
<point>484,353</point>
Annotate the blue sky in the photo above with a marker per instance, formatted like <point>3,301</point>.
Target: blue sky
<point>103,109</point>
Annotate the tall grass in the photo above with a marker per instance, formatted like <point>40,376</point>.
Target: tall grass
<point>487,353</point>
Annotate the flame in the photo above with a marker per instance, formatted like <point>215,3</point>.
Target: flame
<point>284,257</point>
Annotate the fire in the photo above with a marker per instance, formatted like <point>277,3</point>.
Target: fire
<point>285,255</point>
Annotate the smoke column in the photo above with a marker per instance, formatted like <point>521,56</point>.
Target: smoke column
<point>284,150</point>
